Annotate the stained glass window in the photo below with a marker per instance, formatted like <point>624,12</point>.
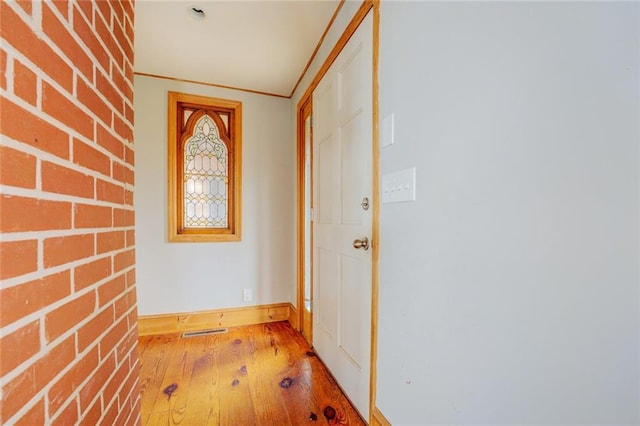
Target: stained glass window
<point>204,168</point>
<point>205,177</point>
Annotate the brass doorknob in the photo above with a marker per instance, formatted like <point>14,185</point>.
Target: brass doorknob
<point>361,243</point>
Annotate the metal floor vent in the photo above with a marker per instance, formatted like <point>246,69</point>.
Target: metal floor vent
<point>204,332</point>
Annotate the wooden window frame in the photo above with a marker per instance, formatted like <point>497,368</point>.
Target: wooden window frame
<point>177,231</point>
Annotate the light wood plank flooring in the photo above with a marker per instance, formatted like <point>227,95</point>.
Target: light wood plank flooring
<point>255,375</point>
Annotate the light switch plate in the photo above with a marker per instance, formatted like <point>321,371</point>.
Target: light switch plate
<point>247,295</point>
<point>388,130</point>
<point>399,186</point>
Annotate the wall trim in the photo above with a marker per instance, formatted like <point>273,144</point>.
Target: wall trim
<point>204,83</point>
<point>375,233</point>
<point>351,28</point>
<point>378,419</point>
<point>229,317</point>
<point>293,317</point>
<point>315,51</point>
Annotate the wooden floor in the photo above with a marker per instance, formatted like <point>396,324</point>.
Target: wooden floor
<point>255,375</point>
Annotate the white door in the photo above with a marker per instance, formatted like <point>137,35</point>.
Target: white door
<point>342,179</point>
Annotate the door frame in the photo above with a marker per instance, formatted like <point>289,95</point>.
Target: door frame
<point>375,417</point>
<point>304,110</point>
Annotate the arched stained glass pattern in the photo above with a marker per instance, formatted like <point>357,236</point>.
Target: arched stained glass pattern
<point>206,178</point>
<point>204,168</point>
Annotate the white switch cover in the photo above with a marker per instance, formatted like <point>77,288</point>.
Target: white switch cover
<point>247,295</point>
<point>387,130</point>
<point>399,186</point>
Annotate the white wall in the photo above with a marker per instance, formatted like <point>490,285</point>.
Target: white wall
<point>509,289</point>
<point>185,277</point>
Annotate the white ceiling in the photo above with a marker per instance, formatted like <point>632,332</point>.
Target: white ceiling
<point>255,45</point>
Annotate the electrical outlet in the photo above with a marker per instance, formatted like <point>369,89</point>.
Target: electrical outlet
<point>247,295</point>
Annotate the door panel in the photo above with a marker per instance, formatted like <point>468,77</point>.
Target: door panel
<point>342,177</point>
<point>352,171</point>
<point>350,83</point>
<point>327,181</point>
<point>351,290</point>
<point>326,288</point>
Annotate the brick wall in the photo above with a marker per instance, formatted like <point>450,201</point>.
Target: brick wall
<point>68,336</point>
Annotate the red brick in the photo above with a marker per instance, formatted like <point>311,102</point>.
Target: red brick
<point>25,5</point>
<point>88,333</point>
<point>117,171</point>
<point>107,191</point>
<point>128,10</point>
<point>110,142</point>
<point>21,300</point>
<point>92,272</point>
<point>60,250</point>
<point>124,130</point>
<point>63,7</point>
<point>17,168</point>
<point>18,392</point>
<point>67,384</point>
<point>123,85</point>
<point>104,85</point>
<point>128,197</point>
<point>62,180</point>
<point>68,315</point>
<point>91,100</point>
<point>21,125</point>
<point>66,416</point>
<point>136,404</point>
<point>129,344</point>
<point>19,214</point>
<point>3,69</point>
<point>111,414</point>
<point>131,237</point>
<point>128,71</point>
<point>21,389</point>
<point>114,383</point>
<point>119,34</point>
<point>94,386</point>
<point>131,278</point>
<point>35,416</point>
<point>132,318</point>
<point>88,36</point>
<point>61,108</point>
<point>112,338</point>
<point>89,216</point>
<point>92,416</point>
<point>87,9</point>
<point>122,217</point>
<point>63,39</point>
<point>18,34</point>
<point>110,241</point>
<point>130,387</point>
<point>118,14</point>
<point>124,303</point>
<point>25,83</point>
<point>129,176</point>
<point>111,289</point>
<point>18,258</point>
<point>105,10</point>
<point>86,156</point>
<point>104,32</point>
<point>19,346</point>
<point>128,113</point>
<point>124,260</point>
<point>129,156</point>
